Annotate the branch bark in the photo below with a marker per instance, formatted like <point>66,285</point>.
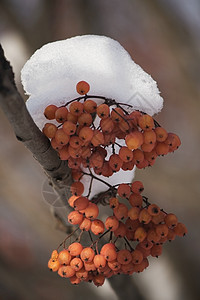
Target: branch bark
<point>29,134</point>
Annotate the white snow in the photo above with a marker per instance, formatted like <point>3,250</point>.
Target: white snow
<point>51,74</point>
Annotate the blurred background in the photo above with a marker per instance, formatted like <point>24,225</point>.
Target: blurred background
<point>163,37</point>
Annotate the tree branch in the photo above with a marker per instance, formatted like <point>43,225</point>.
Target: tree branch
<point>27,132</point>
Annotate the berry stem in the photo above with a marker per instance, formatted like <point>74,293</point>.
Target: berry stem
<point>64,241</point>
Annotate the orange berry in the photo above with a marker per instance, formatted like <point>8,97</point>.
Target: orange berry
<point>113,202</point>
<point>180,229</point>
<point>121,212</point>
<point>76,108</point>
<point>69,128</point>
<point>171,235</point>
<point>99,261</point>
<point>98,138</point>
<point>109,138</point>
<point>111,223</point>
<point>92,211</point>
<point>124,127</point>
<point>152,236</point>
<point>109,252</point>
<point>74,152</point>
<point>124,190</point>
<point>147,147</point>
<point>132,225</point>
<point>161,134</point>
<point>137,187</point>
<point>144,216</point>
<point>77,188</point>
<point>64,257</point>
<point>162,230</point>
<point>140,234</point>
<point>55,145</point>
<point>130,235</point>
<point>137,256</point>
<point>75,142</point>
<point>124,257</point>
<point>159,218</point>
<point>173,141</point>
<point>134,140</point>
<point>96,160</point>
<point>75,249</point>
<point>107,125</point>
<point>98,280</point>
<point>150,156</point>
<point>128,165</point>
<point>89,266</point>
<point>74,163</point>
<point>87,254</point>
<point>134,213</point>
<point>82,274</point>
<point>71,200</point>
<point>61,114</point>
<point>82,87</point>
<point>106,169</point>
<point>103,111</point>
<point>117,115</point>
<point>49,130</point>
<point>61,137</point>
<point>49,112</point>
<point>114,265</point>
<point>75,218</point>
<point>128,268</point>
<point>97,226</point>
<point>85,224</point>
<point>86,134</point>
<point>74,280</point>
<point>121,230</point>
<point>76,264</point>
<point>156,250</point>
<point>171,220</point>
<point>162,149</point>
<point>115,162</point>
<point>72,118</point>
<point>153,210</point>
<point>64,153</point>
<point>125,154</point>
<point>143,164</point>
<point>54,255</point>
<point>89,106</point>
<point>81,203</point>
<point>135,200</point>
<point>85,119</point>
<point>66,271</point>
<point>53,265</point>
<point>149,137</point>
<point>146,244</point>
<point>138,156</point>
<point>146,122</point>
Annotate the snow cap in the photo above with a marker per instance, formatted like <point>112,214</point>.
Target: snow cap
<point>51,74</point>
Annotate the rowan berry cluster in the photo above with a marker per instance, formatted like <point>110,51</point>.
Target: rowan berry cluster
<point>137,230</point>
<point>105,138</point>
<point>87,130</point>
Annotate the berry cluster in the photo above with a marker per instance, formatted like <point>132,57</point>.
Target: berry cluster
<point>105,139</point>
<point>137,230</point>
<point>88,130</point>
